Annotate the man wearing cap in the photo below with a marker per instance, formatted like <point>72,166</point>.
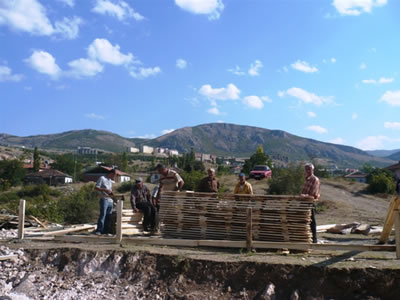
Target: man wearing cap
<point>170,180</point>
<point>209,184</point>
<point>104,188</point>
<point>141,200</point>
<point>311,189</point>
<point>243,187</point>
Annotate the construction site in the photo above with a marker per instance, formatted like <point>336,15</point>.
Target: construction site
<point>211,247</point>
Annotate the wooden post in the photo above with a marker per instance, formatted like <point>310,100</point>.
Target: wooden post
<point>120,206</point>
<point>397,231</point>
<point>249,227</point>
<point>387,227</point>
<point>21,219</point>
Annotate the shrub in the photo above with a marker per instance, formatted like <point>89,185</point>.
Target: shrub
<point>125,187</point>
<point>381,183</point>
<point>80,206</point>
<point>192,179</point>
<point>286,181</point>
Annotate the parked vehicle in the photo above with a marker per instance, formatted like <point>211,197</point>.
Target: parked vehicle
<point>260,172</point>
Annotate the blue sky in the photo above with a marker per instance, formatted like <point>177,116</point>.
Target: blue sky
<point>321,69</point>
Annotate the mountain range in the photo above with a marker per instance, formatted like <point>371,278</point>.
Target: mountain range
<point>215,138</point>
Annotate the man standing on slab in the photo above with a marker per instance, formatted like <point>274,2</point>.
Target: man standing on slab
<point>104,187</point>
<point>311,189</point>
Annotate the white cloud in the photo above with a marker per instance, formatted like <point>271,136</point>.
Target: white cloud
<point>68,27</point>
<point>166,131</point>
<point>381,80</point>
<point>385,80</point>
<point>333,60</point>
<point>354,116</point>
<point>7,75</point>
<point>305,96</point>
<point>337,140</point>
<point>231,92</point>
<point>391,97</point>
<point>255,68</point>
<point>30,16</point>
<point>303,66</point>
<point>212,8</point>
<point>70,3</point>
<point>356,7</point>
<point>220,121</point>
<point>317,129</point>
<point>311,114</point>
<point>146,136</point>
<point>253,102</point>
<point>372,142</point>
<point>363,66</point>
<point>144,72</point>
<point>392,125</point>
<point>104,51</point>
<point>214,111</point>
<point>116,8</point>
<point>237,71</point>
<point>45,63</point>
<point>181,63</point>
<point>85,67</point>
<point>94,116</point>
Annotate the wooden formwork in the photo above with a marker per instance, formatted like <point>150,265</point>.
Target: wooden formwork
<point>227,217</point>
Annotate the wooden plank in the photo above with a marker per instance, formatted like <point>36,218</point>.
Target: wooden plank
<point>397,232</point>
<point>64,231</point>
<point>387,227</point>
<point>120,206</point>
<point>21,219</point>
<point>263,245</point>
<point>85,239</point>
<point>7,257</point>
<point>249,230</point>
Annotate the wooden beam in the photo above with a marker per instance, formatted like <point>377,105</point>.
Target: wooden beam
<point>389,221</point>
<point>249,229</point>
<point>87,239</point>
<point>64,231</point>
<point>120,206</point>
<point>259,245</point>
<point>21,219</point>
<point>7,257</point>
<point>397,231</point>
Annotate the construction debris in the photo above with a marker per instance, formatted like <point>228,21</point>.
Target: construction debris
<point>355,227</point>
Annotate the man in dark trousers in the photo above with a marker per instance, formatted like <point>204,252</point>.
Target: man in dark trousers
<point>141,200</point>
<point>209,184</point>
<point>311,189</point>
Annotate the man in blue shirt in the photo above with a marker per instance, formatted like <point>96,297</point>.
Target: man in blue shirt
<point>104,187</point>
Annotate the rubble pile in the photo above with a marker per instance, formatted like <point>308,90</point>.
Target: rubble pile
<point>6,234</point>
<point>51,275</point>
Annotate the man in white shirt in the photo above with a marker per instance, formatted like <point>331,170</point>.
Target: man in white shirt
<point>104,187</point>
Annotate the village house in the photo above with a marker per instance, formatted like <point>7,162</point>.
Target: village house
<point>97,172</point>
<point>357,176</point>
<point>48,176</point>
<point>395,169</point>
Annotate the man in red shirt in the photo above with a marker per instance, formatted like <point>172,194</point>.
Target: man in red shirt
<point>311,189</point>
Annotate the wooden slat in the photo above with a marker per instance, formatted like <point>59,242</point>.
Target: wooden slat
<point>389,221</point>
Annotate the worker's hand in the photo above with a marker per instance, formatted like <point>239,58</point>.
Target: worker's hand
<point>135,209</point>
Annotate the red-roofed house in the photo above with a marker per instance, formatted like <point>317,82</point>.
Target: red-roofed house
<point>97,172</point>
<point>48,176</point>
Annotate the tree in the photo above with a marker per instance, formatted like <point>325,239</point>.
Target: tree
<point>36,160</point>
<point>286,181</point>
<point>124,162</point>
<point>67,164</point>
<point>12,171</point>
<point>258,158</point>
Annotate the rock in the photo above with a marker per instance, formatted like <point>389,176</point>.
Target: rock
<point>268,293</point>
<point>295,295</point>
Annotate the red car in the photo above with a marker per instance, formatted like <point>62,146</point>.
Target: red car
<point>260,172</point>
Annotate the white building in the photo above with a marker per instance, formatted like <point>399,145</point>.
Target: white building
<point>133,150</point>
<point>147,149</point>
